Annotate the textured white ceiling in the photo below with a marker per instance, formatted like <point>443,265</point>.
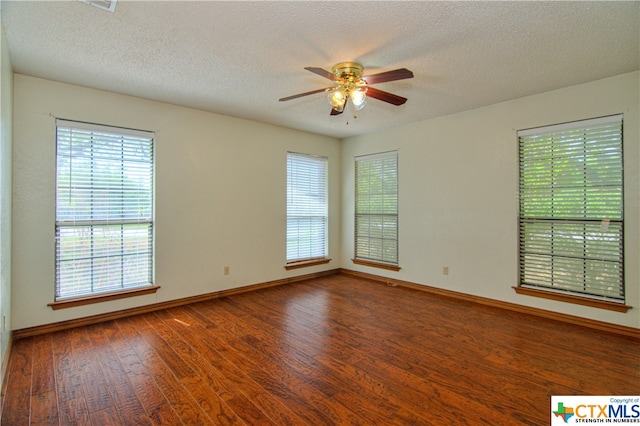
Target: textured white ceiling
<point>239,58</point>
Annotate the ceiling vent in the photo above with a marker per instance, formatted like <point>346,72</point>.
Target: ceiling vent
<point>109,5</point>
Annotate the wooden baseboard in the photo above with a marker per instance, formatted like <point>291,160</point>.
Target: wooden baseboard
<point>571,319</point>
<point>63,325</point>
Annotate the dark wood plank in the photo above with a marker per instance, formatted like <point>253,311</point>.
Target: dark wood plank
<point>125,399</point>
<point>44,408</point>
<point>44,403</point>
<point>107,417</point>
<point>68,379</point>
<point>43,380</point>
<point>171,358</point>
<point>182,402</point>
<point>284,383</point>
<point>96,389</point>
<point>74,412</point>
<point>234,366</point>
<point>17,400</point>
<point>203,393</point>
<point>223,399</point>
<point>157,407</point>
<point>146,389</point>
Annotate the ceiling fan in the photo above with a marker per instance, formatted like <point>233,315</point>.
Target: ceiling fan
<point>349,83</point>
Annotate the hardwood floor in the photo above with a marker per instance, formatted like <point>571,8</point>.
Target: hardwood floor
<point>331,351</point>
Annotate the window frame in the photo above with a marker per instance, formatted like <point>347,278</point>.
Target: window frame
<point>381,213</point>
<point>120,223</point>
<point>575,222</point>
<point>302,196</point>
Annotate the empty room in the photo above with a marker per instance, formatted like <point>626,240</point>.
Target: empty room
<point>319,213</point>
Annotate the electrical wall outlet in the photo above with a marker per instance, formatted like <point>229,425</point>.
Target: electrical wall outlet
<point>445,270</point>
<point>226,270</point>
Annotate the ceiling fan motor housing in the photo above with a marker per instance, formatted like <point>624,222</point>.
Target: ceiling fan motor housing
<point>348,70</point>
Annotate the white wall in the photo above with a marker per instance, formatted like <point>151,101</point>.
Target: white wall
<point>220,196</point>
<point>6,114</point>
<point>458,183</point>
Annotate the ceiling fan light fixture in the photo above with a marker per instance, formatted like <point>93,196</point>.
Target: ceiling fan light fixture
<point>337,97</point>
<point>358,97</point>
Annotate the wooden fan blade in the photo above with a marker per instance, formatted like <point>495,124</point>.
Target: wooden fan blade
<point>299,95</point>
<point>322,73</point>
<point>399,74</point>
<point>385,96</point>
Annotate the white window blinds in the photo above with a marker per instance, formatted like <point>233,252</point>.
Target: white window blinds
<point>376,221</point>
<point>571,208</point>
<point>104,209</point>
<point>306,207</point>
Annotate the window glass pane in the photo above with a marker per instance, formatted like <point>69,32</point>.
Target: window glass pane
<point>306,207</point>
<point>571,208</point>
<point>104,210</point>
<point>376,197</point>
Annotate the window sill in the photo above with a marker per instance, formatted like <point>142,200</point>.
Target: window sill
<point>388,266</point>
<point>594,303</point>
<point>88,300</point>
<point>305,263</point>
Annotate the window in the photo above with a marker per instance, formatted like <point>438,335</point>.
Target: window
<point>306,207</point>
<point>571,209</point>
<point>104,209</point>
<point>376,221</point>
